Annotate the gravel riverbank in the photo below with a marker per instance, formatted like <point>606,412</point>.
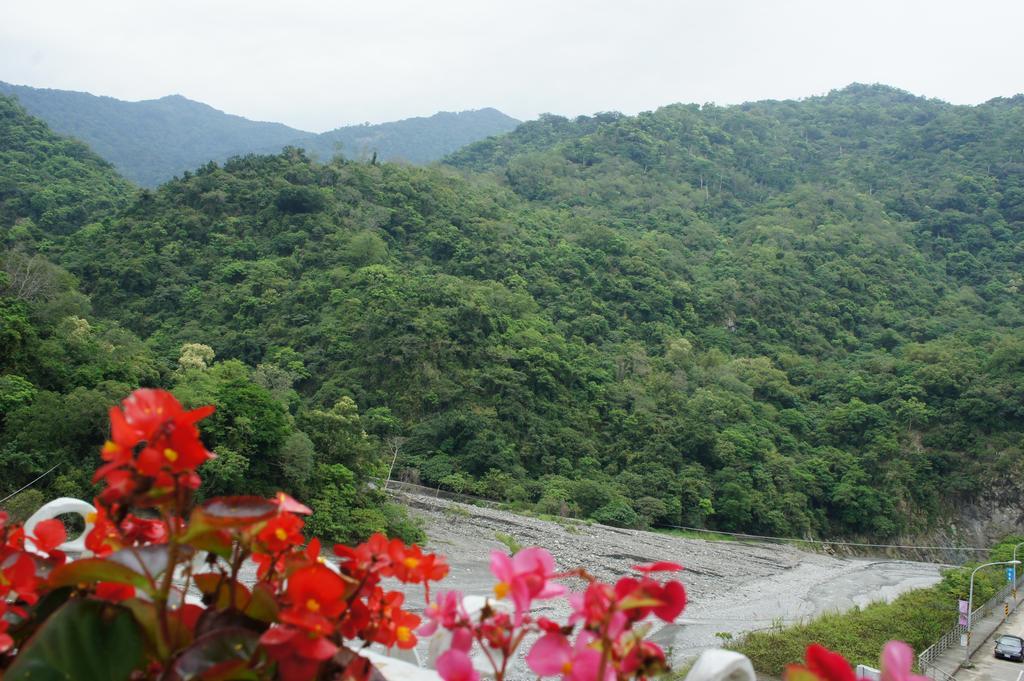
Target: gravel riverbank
<point>733,586</point>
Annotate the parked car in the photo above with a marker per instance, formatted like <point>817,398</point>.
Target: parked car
<point>1010,648</point>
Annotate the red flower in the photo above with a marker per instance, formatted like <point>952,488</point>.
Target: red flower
<point>281,533</point>
<point>370,556</point>
<point>822,664</point>
<point>19,575</point>
<point>144,531</point>
<point>390,625</point>
<point>317,596</point>
<point>167,433</point>
<point>671,597</point>
<point>411,566</point>
<point>297,654</point>
<point>48,535</point>
<point>154,447</point>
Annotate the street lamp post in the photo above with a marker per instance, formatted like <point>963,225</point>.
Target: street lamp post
<point>1015,567</point>
<point>970,601</point>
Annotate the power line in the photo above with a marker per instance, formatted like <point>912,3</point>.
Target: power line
<point>826,541</point>
<point>15,493</point>
<point>742,535</point>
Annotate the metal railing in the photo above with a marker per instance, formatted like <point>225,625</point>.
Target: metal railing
<point>951,639</point>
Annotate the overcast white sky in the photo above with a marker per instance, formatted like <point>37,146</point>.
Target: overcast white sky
<point>316,65</point>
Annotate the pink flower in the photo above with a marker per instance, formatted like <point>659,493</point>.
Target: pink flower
<point>897,661</point>
<point>443,612</point>
<point>526,576</point>
<point>455,665</point>
<point>552,654</point>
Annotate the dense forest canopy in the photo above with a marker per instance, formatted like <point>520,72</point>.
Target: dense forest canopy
<point>780,317</point>
<point>151,141</point>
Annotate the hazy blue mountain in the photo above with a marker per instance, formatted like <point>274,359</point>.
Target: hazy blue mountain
<point>416,140</point>
<point>154,140</point>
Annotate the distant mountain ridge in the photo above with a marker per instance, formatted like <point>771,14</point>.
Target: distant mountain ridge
<point>151,141</point>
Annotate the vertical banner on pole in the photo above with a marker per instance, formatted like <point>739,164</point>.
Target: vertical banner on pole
<point>963,614</point>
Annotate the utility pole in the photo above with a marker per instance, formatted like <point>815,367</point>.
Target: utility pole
<point>395,445</point>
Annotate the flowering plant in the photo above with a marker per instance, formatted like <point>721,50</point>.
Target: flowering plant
<point>823,664</point>
<point>125,611</point>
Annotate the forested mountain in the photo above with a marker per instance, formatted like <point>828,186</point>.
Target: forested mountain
<point>152,141</point>
<point>62,366</point>
<point>49,182</point>
<point>781,317</point>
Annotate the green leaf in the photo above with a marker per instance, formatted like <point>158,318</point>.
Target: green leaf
<point>85,640</point>
<point>88,571</point>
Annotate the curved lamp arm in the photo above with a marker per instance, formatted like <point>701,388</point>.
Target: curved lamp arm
<point>59,507</point>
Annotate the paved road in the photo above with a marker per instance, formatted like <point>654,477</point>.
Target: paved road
<point>986,666</point>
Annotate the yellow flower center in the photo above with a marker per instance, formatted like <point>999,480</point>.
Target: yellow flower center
<point>280,534</point>
<point>90,517</point>
<point>501,589</point>
<point>313,605</point>
<point>411,562</point>
<point>567,667</point>
<point>110,447</point>
<point>170,455</point>
<point>403,634</point>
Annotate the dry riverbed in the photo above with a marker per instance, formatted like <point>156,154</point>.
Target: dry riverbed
<point>733,587</point>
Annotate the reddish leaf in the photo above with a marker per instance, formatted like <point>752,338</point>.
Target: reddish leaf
<point>237,511</point>
<point>217,655</point>
<point>220,588</point>
<point>217,542</point>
